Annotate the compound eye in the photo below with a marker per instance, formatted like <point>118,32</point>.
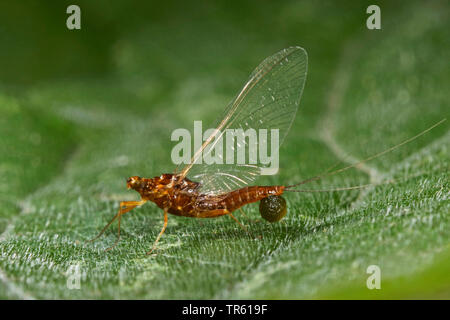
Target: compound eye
<point>135,179</point>
<point>133,182</point>
<point>273,208</point>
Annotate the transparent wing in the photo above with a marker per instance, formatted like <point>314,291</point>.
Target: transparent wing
<point>245,142</point>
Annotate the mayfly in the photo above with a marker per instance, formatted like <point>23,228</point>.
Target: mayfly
<point>268,100</point>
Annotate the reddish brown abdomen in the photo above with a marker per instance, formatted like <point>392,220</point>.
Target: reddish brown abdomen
<point>238,198</point>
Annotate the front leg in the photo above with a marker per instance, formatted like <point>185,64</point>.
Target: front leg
<point>162,230</point>
<point>124,207</point>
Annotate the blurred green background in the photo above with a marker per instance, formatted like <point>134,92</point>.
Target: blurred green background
<point>81,110</point>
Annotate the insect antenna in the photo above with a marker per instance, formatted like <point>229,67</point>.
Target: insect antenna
<point>327,174</point>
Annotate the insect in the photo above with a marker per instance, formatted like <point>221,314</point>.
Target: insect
<point>268,100</point>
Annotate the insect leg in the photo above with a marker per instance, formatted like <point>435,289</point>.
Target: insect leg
<point>161,233</point>
<point>118,232</point>
<point>118,225</point>
<point>234,218</point>
<point>124,207</point>
<point>243,213</point>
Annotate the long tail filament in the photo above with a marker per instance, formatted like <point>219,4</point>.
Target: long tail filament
<point>327,174</point>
